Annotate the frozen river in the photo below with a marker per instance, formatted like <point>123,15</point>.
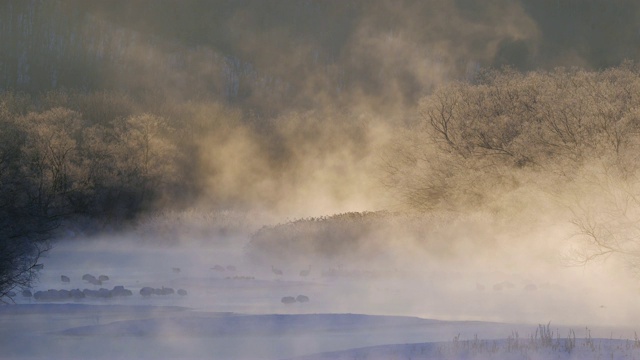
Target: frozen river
<point>238,313</point>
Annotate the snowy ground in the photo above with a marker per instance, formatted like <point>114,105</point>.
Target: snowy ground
<point>352,312</point>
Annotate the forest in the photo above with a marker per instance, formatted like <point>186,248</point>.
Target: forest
<point>351,112</point>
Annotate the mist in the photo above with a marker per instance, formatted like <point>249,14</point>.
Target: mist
<point>449,160</point>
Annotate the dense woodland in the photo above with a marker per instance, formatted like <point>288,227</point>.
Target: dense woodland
<point>110,110</point>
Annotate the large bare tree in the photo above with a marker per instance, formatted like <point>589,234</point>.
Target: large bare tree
<point>570,135</point>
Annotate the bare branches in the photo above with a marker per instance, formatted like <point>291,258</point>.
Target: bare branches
<point>19,256</point>
<point>576,132</point>
<point>606,216</point>
<point>552,122</point>
<point>54,163</point>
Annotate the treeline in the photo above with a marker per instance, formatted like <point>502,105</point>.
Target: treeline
<point>325,237</point>
<point>343,237</point>
<point>90,160</point>
<point>59,158</point>
<point>109,156</point>
<point>186,49</point>
<point>268,54</point>
<point>66,156</point>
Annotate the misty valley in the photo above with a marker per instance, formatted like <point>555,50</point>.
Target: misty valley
<point>304,179</point>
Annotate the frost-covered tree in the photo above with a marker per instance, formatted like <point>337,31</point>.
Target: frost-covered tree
<point>571,136</point>
<point>505,122</point>
<point>26,215</point>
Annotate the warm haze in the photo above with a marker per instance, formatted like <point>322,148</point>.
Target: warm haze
<point>319,179</point>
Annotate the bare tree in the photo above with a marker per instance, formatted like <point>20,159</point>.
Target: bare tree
<point>507,122</point>
<point>570,134</point>
<point>56,164</point>
<point>606,216</point>
<point>20,251</point>
<point>25,225</point>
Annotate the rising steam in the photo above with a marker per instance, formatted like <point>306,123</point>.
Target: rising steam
<point>324,116</point>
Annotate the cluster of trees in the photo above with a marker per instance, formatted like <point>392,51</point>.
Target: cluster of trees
<point>571,136</point>
<point>106,158</point>
<point>60,161</point>
<point>57,162</point>
<point>244,100</point>
<point>478,133</point>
